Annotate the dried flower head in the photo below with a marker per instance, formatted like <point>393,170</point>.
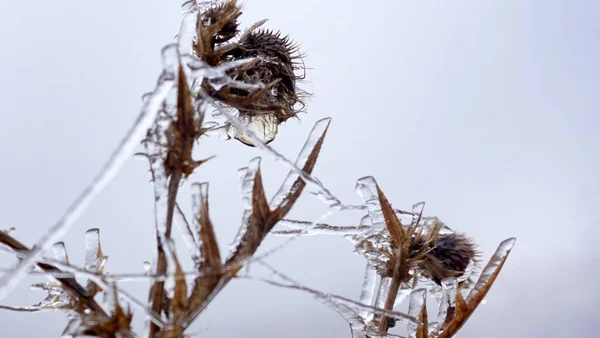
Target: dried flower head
<point>276,60</point>
<point>449,256</point>
<point>274,68</point>
<point>224,16</point>
<point>432,255</point>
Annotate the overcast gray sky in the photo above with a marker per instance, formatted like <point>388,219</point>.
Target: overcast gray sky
<point>486,110</point>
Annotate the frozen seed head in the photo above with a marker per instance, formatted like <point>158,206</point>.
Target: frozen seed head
<point>224,15</point>
<point>276,61</point>
<point>449,256</point>
<point>275,67</point>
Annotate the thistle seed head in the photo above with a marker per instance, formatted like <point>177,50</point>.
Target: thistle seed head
<point>275,68</point>
<point>224,15</point>
<point>449,256</point>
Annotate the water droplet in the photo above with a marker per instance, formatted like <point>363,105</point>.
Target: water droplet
<point>147,267</point>
<point>263,126</point>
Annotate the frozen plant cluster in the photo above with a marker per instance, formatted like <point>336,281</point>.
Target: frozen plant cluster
<point>249,81</point>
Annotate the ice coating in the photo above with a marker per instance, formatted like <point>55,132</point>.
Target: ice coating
<point>172,264</point>
<point>94,259</point>
<point>147,267</point>
<point>415,305</point>
<point>322,192</point>
<point>306,228</point>
<point>417,209</point>
<point>152,104</point>
<point>366,187</point>
<point>382,292</point>
<point>347,308</point>
<point>296,168</point>
<point>246,176</point>
<point>449,289</point>
<point>60,252</point>
<point>368,291</point>
<point>109,170</point>
<point>247,182</point>
<point>403,292</point>
<point>490,271</point>
<point>263,126</point>
<point>184,229</point>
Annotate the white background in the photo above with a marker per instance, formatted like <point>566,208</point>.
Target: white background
<point>487,110</point>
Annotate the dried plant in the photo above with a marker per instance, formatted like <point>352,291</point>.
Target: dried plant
<point>250,80</point>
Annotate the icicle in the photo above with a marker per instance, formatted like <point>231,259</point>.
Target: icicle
<point>172,263</point>
<point>304,228</point>
<point>191,242</point>
<point>110,169</point>
<point>448,303</point>
<point>417,299</point>
<point>368,291</point>
<point>491,270</point>
<point>187,31</point>
<point>147,267</point>
<point>403,292</point>
<point>94,259</point>
<point>322,192</point>
<point>246,176</point>
<point>313,138</point>
<point>382,292</point>
<point>60,252</point>
<point>347,308</point>
<point>366,187</point>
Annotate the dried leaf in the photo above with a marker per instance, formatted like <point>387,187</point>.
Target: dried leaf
<point>211,256</point>
<point>179,302</point>
<point>465,308</point>
<point>391,221</point>
<point>94,258</point>
<point>259,221</point>
<point>401,266</point>
<point>423,328</point>
<point>490,272</point>
<point>293,185</point>
<point>70,285</point>
<point>418,308</point>
<point>90,324</point>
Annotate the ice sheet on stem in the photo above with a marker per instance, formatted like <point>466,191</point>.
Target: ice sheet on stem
<point>491,270</point>
<point>102,283</point>
<point>382,291</point>
<point>366,188</point>
<point>349,308</point>
<point>367,293</point>
<point>113,165</point>
<point>306,228</point>
<point>246,176</point>
<point>312,183</point>
<point>60,252</point>
<point>449,289</point>
<point>94,259</point>
<point>322,192</point>
<point>191,242</point>
<point>418,297</point>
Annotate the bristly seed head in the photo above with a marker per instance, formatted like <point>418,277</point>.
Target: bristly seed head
<point>228,12</point>
<point>276,61</point>
<point>449,256</point>
<point>275,68</point>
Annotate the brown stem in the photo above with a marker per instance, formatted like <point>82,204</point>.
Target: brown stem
<point>397,278</point>
<point>156,294</point>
